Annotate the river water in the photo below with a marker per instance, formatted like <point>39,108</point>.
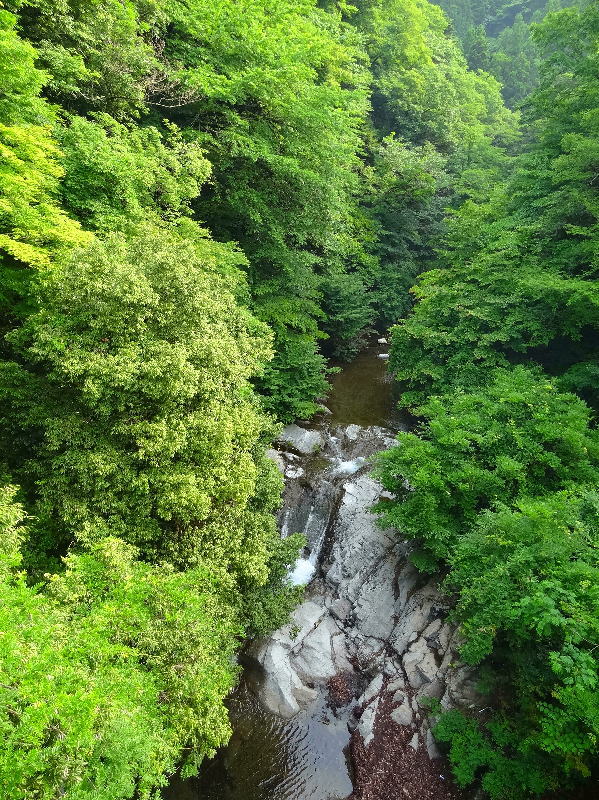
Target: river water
<point>270,758</point>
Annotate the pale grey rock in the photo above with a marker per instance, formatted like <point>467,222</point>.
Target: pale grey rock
<point>314,659</point>
<point>278,459</point>
<point>399,696</point>
<point>352,432</point>
<point>431,747</point>
<point>294,472</point>
<point>372,690</point>
<point>301,440</point>
<point>397,683</point>
<point>435,688</point>
<point>403,714</point>
<point>432,629</point>
<point>419,664</point>
<point>413,743</point>
<point>414,617</point>
<point>367,722</point>
<point>341,608</point>
<point>282,691</point>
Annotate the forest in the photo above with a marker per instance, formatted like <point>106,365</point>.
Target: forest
<point>202,204</point>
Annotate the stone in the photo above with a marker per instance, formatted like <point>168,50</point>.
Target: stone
<point>434,689</point>
<point>431,630</point>
<point>413,743</point>
<point>282,691</point>
<point>414,618</point>
<point>420,665</point>
<point>352,432</point>
<point>341,608</point>
<point>431,747</point>
<point>278,459</point>
<point>382,341</point>
<point>372,690</point>
<point>396,684</point>
<point>403,715</point>
<point>367,721</point>
<point>315,659</point>
<point>301,440</point>
<point>293,472</point>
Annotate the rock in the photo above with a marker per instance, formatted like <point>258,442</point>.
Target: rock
<point>419,664</point>
<point>275,456</point>
<point>431,630</point>
<point>399,696</point>
<point>382,341</point>
<point>383,356</point>
<point>300,440</point>
<point>413,743</point>
<point>372,690</point>
<point>294,472</point>
<point>367,721</point>
<point>435,689</point>
<point>341,609</point>
<point>315,659</point>
<point>364,560</point>
<point>406,582</point>
<point>352,432</point>
<point>431,747</point>
<point>282,691</point>
<point>396,684</point>
<point>403,715</point>
<point>414,617</point>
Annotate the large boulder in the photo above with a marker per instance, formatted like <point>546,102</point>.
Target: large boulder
<point>301,440</point>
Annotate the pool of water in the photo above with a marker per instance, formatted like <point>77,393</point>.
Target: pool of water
<point>363,392</point>
<point>269,758</point>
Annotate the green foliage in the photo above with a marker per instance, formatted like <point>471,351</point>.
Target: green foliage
<point>33,227</point>
<point>498,484</point>
<point>519,271</point>
<point>494,445</point>
<point>143,418</point>
<point>100,690</point>
<point>116,176</point>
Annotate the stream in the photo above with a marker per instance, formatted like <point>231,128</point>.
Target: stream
<point>366,643</point>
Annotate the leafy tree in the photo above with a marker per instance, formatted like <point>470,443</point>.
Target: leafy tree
<point>100,691</point>
<point>138,404</point>
<point>33,227</point>
<point>491,445</point>
<point>527,580</point>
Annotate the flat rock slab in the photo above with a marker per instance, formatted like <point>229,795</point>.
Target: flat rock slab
<point>301,440</point>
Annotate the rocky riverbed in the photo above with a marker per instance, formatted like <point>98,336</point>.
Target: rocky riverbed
<point>331,706</point>
<point>371,634</point>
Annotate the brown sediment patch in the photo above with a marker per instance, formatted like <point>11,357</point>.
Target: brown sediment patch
<point>342,690</point>
<point>390,769</point>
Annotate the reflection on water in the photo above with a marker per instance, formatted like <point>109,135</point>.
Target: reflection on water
<point>269,758</point>
<point>362,393</point>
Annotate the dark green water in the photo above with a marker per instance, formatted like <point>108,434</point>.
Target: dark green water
<point>269,758</point>
<point>363,393</point>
